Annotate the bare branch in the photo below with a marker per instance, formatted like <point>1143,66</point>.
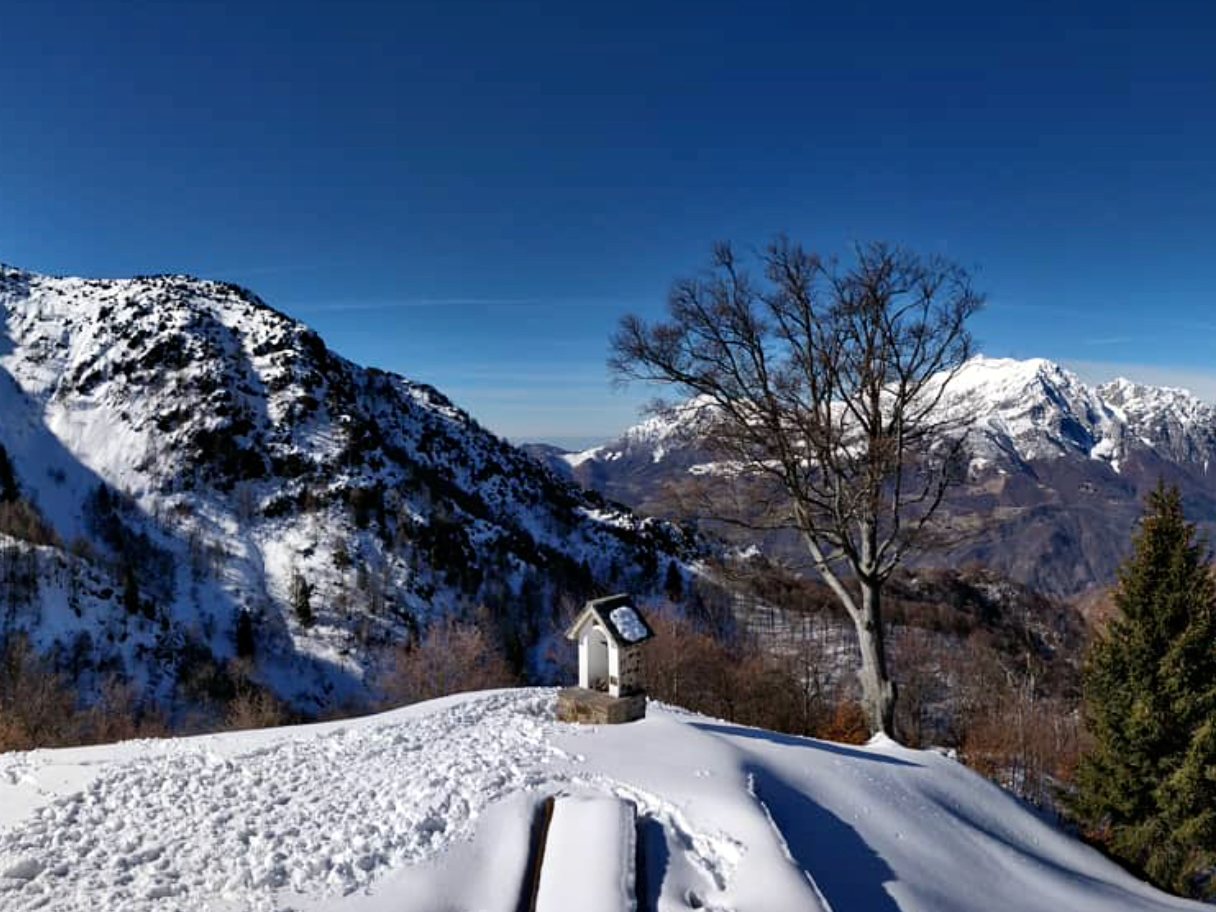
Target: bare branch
<point>826,384</point>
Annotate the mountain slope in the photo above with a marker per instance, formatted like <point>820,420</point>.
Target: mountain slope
<point>1057,474</point>
<point>202,460</point>
<point>431,807</point>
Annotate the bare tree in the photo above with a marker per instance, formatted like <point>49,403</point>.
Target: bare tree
<point>821,384</point>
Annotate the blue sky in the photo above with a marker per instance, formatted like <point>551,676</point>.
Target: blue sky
<point>473,193</point>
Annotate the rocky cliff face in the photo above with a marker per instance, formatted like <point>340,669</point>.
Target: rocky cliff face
<point>196,462</point>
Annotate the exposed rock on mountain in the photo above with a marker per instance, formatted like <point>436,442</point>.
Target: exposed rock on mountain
<point>1057,472</point>
<point>191,463</point>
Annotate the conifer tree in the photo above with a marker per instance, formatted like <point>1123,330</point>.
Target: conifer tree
<point>8,479</point>
<point>130,590</point>
<point>245,644</point>
<point>301,599</point>
<point>1148,786</point>
<point>673,583</point>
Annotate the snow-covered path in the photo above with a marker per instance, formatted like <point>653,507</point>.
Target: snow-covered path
<point>429,809</point>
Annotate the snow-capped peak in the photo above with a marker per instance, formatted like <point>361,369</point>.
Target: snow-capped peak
<point>1026,408</point>
<point>656,434</point>
<point>1045,411</point>
<point>1035,406</point>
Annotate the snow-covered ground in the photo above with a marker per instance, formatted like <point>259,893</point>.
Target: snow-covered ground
<point>430,808</point>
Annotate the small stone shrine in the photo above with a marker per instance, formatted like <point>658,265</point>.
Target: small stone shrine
<point>610,633</point>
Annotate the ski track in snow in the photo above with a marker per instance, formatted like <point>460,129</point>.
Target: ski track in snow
<point>190,830</point>
<point>716,855</point>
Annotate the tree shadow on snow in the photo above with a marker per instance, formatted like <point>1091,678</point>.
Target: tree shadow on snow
<point>849,874</point>
<point>760,734</point>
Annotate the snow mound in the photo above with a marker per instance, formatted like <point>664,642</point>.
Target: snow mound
<point>326,813</point>
<point>597,881</point>
<point>430,808</point>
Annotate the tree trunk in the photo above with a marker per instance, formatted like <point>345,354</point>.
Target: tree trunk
<point>877,688</point>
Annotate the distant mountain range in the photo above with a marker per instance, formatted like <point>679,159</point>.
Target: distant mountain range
<point>1057,474</point>
<point>191,464</point>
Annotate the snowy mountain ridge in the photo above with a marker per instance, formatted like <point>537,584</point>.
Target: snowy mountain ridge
<point>1032,409</point>
<point>209,459</point>
<point>655,434</point>
<point>1044,411</point>
<point>1058,468</point>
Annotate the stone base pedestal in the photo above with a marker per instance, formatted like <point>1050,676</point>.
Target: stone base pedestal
<point>591,707</point>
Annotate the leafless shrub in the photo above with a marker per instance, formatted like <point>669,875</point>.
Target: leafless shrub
<point>917,659</point>
<point>730,679</point>
<point>119,715</point>
<point>452,657</point>
<point>1011,731</point>
<point>36,706</point>
<point>254,708</point>
<point>20,519</point>
<point>252,705</point>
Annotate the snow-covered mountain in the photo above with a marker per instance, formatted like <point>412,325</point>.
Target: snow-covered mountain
<point>1058,466</point>
<point>1037,410</point>
<point>199,462</point>
<point>433,807</point>
<point>1029,410</point>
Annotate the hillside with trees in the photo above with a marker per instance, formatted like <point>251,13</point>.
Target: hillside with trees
<point>197,497</point>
